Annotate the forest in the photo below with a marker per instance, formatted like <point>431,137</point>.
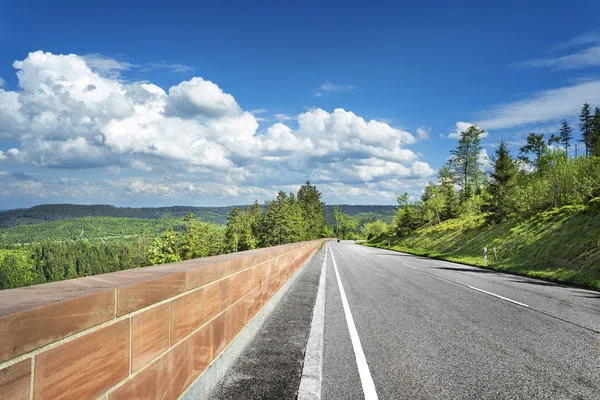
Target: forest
<point>74,244</point>
<point>539,208</point>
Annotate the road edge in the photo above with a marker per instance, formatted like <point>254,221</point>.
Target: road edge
<point>312,371</point>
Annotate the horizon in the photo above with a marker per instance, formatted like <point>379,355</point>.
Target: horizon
<point>182,205</point>
<point>154,106</point>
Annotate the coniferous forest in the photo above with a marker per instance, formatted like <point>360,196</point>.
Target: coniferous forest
<point>538,209</point>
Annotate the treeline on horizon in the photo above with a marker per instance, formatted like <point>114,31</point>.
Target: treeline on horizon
<point>290,217</point>
<point>546,173</point>
<point>219,215</point>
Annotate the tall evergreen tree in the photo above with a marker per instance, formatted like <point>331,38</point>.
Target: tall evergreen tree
<point>595,139</point>
<point>566,136</point>
<point>503,180</point>
<point>313,210</point>
<point>586,124</point>
<point>465,161</point>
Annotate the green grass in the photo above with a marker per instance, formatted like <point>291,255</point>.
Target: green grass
<point>560,245</point>
<point>109,229</point>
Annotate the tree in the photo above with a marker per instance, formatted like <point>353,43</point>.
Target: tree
<point>586,124</point>
<point>566,136</point>
<point>448,194</point>
<point>238,234</point>
<point>432,204</point>
<point>200,239</point>
<point>503,180</point>
<point>407,219</point>
<point>164,250</point>
<point>313,210</point>
<point>279,221</point>
<point>535,146</point>
<point>465,161</point>
<point>595,138</point>
<point>373,229</point>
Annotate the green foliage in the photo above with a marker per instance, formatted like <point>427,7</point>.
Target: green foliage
<point>239,235</point>
<point>465,162</point>
<point>566,136</point>
<point>536,147</point>
<point>586,124</point>
<point>94,229</point>
<point>561,244</point>
<point>374,229</point>
<point>164,249</point>
<point>200,239</point>
<point>345,226</point>
<point>313,211</point>
<point>502,184</point>
<point>595,136</point>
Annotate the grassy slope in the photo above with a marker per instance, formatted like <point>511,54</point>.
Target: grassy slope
<point>93,228</point>
<point>561,245</point>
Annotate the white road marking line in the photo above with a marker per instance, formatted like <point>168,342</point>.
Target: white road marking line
<point>361,361</point>
<point>406,265</point>
<point>312,372</point>
<point>498,296</point>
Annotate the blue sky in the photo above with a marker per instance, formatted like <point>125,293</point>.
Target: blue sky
<point>205,104</point>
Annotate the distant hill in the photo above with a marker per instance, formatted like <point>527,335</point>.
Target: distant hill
<point>55,212</point>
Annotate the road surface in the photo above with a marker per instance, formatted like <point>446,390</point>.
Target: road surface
<point>408,327</point>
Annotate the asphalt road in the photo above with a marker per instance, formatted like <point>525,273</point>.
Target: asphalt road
<point>432,329</point>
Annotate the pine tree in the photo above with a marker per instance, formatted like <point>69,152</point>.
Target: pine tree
<point>536,146</point>
<point>465,161</point>
<point>586,124</point>
<point>595,138</point>
<point>503,180</point>
<point>566,136</point>
<point>313,210</point>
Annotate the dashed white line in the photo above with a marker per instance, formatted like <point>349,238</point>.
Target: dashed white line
<point>498,296</point>
<point>406,265</point>
<point>363,368</point>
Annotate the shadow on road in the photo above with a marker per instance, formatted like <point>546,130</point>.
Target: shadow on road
<point>538,283</point>
<point>477,271</point>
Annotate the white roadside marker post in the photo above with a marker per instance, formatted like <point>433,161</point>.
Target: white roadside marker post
<point>495,255</point>
<point>485,256</point>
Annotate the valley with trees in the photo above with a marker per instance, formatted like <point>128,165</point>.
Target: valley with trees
<point>537,212</point>
<point>55,242</point>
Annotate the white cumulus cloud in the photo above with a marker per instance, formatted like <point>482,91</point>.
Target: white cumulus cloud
<point>75,112</point>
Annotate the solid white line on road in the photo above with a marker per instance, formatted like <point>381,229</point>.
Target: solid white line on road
<point>312,372</point>
<point>363,368</point>
<point>498,296</point>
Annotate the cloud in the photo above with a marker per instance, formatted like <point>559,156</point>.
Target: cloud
<point>282,117</point>
<point>330,87</point>
<point>423,133</point>
<point>461,127</point>
<point>200,98</point>
<point>258,111</point>
<point>2,82</point>
<point>173,67</point>
<point>104,65</point>
<point>586,57</point>
<point>72,113</point>
<point>542,107</point>
<point>140,165</point>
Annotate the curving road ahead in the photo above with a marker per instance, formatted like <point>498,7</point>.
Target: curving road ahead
<point>408,327</point>
<point>437,330</point>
